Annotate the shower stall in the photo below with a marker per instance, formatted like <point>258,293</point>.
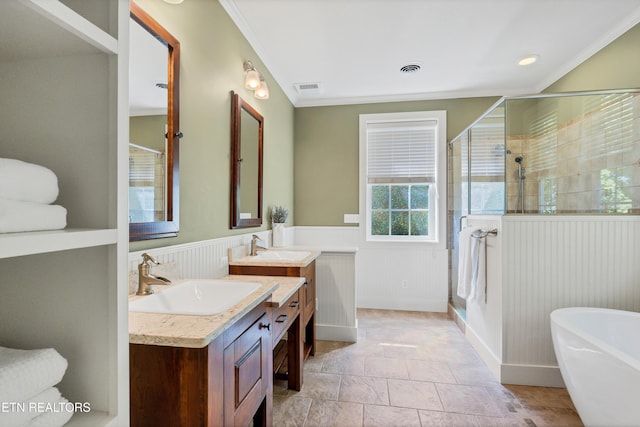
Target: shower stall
<point>559,177</point>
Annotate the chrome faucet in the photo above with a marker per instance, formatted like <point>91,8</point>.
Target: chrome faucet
<point>145,279</point>
<point>255,247</point>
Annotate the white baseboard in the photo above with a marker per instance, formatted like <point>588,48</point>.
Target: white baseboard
<point>336,333</point>
<point>487,356</point>
<point>541,376</point>
<point>434,306</point>
<point>532,375</point>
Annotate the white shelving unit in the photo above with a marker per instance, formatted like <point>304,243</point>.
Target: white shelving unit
<point>63,80</point>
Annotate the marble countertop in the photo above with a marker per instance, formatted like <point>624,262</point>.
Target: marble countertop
<point>238,256</point>
<point>197,331</point>
<point>288,285</point>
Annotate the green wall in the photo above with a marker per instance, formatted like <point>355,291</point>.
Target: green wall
<point>212,53</point>
<point>327,149</point>
<point>616,66</point>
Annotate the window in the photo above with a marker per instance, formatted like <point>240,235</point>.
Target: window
<point>401,176</point>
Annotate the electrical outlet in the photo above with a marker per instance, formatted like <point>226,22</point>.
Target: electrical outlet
<point>405,284</point>
<point>351,218</point>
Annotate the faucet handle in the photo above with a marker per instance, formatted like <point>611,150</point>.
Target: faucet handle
<point>148,258</point>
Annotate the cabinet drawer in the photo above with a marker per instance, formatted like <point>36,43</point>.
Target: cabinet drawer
<point>284,315</point>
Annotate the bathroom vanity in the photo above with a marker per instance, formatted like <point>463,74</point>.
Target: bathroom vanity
<point>205,370</point>
<point>288,359</point>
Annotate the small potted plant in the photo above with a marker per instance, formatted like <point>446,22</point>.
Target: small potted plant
<point>279,216</point>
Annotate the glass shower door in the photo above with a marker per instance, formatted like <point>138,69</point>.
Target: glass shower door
<point>458,209</point>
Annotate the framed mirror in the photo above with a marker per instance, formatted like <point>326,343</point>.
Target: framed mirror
<point>154,123</point>
<point>247,128</point>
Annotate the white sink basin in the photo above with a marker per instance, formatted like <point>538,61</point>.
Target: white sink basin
<point>272,255</point>
<point>203,297</point>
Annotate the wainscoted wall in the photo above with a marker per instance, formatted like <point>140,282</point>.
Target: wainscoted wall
<point>550,262</point>
<point>403,277</point>
<point>335,270</point>
<point>565,261</point>
<point>484,317</point>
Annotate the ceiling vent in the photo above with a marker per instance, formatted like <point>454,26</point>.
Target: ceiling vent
<point>411,68</point>
<point>308,88</point>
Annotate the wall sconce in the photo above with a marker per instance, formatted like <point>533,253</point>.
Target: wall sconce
<point>255,81</point>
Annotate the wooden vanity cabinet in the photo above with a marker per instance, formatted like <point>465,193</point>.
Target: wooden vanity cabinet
<point>307,294</point>
<point>227,383</point>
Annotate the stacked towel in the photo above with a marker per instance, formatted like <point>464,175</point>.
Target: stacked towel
<point>27,388</point>
<point>26,194</point>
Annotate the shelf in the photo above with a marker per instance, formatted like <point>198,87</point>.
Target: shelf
<point>32,29</point>
<point>38,242</point>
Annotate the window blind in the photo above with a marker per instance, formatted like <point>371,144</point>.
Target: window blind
<point>487,150</point>
<point>142,167</point>
<point>403,151</point>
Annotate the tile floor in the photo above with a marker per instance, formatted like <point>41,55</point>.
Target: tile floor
<point>411,369</point>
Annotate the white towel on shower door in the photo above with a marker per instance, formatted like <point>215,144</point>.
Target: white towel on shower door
<point>478,265</point>
<point>464,262</point>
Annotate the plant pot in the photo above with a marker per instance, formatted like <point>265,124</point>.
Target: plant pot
<point>277,234</point>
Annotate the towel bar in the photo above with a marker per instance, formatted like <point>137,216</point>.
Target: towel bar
<point>485,233</point>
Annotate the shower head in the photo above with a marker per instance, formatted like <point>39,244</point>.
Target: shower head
<point>518,159</point>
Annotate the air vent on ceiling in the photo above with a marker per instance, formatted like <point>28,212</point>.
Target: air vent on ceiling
<point>308,88</point>
<point>411,68</point>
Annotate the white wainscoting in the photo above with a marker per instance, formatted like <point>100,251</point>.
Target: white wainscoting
<point>549,262</point>
<point>563,261</point>
<point>403,277</point>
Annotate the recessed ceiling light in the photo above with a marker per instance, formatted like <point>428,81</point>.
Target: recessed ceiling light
<point>173,1</point>
<point>529,59</point>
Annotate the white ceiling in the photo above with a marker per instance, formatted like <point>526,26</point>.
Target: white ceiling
<point>148,66</point>
<point>355,48</point>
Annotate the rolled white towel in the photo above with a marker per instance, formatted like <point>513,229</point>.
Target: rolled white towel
<point>15,414</point>
<point>27,182</point>
<point>26,373</point>
<point>55,416</point>
<point>16,216</point>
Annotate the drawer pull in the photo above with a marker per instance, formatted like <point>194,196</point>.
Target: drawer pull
<point>282,318</point>
<point>266,326</point>
<point>294,304</point>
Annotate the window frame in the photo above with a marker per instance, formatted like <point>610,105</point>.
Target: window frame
<point>437,204</point>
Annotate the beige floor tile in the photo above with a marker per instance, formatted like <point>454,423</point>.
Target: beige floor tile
<point>387,416</point>
<point>514,421</point>
<point>364,390</point>
<point>314,363</point>
<point>326,413</point>
<point>414,394</point>
<point>472,374</point>
<point>318,385</point>
<point>467,399</point>
<point>386,367</point>
<point>417,360</point>
<point>444,419</point>
<point>552,417</point>
<point>344,364</point>
<point>433,371</point>
<point>546,397</point>
<point>290,411</point>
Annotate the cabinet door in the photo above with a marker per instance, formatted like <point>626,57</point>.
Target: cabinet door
<point>309,274</point>
<point>247,373</point>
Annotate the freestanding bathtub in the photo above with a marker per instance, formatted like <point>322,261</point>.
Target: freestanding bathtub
<point>598,351</point>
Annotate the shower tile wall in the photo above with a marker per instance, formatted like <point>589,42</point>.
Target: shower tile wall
<point>587,162</point>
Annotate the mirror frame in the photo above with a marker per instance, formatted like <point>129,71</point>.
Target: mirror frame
<point>237,106</point>
<point>171,226</point>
